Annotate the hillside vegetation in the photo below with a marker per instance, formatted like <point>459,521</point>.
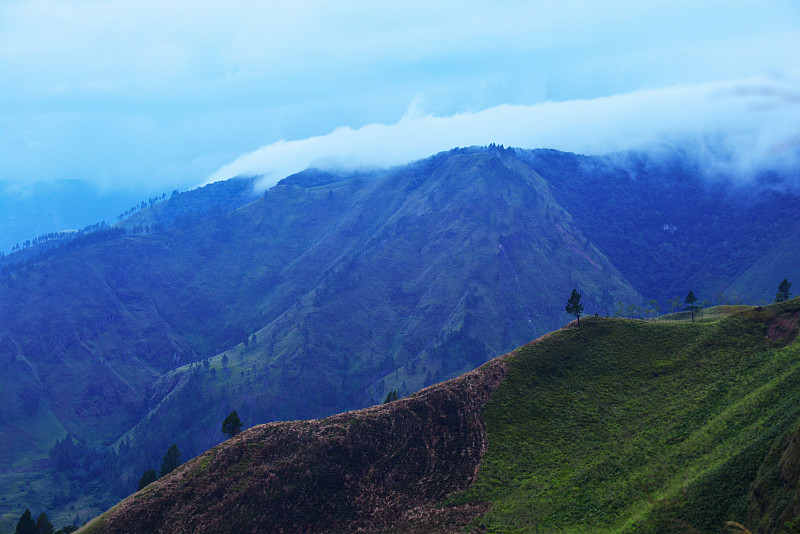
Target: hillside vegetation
<point>620,425</point>
<point>616,426</point>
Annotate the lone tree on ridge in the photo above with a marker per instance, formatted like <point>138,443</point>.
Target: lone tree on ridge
<point>783,291</point>
<point>574,306</point>
<point>171,460</point>
<point>690,300</point>
<point>232,425</point>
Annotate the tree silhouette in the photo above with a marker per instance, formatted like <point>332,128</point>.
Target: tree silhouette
<point>574,306</point>
<point>171,460</point>
<point>43,524</point>
<point>690,300</point>
<point>25,525</point>
<point>783,291</point>
<point>232,425</point>
<point>654,308</point>
<point>148,478</point>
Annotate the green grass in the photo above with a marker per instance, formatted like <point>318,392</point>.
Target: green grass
<point>630,426</point>
<point>713,313</point>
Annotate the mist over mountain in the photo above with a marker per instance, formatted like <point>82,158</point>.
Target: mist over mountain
<point>158,99</point>
<point>335,287</point>
<point>737,131</point>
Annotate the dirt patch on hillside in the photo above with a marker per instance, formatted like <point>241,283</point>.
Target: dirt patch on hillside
<point>381,469</point>
<point>783,326</point>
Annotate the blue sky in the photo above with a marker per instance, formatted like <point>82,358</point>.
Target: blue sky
<point>151,96</point>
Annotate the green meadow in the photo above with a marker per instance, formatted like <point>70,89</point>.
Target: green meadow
<point>638,426</point>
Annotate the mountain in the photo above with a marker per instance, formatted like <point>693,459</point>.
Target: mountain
<point>331,290</point>
<point>613,426</point>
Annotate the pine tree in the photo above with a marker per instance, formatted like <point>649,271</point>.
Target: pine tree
<point>783,291</point>
<point>574,306</point>
<point>148,478</point>
<point>26,525</point>
<point>43,524</point>
<point>232,425</point>
<point>171,460</point>
<point>690,300</point>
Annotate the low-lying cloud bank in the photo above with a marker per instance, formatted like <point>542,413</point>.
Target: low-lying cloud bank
<point>737,128</point>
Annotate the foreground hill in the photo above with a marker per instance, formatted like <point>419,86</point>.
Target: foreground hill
<point>616,426</point>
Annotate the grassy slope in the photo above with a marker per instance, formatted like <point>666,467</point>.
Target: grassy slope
<point>713,313</point>
<point>628,426</point>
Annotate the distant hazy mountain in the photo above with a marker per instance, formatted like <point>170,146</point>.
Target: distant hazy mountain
<point>332,289</point>
<point>29,211</point>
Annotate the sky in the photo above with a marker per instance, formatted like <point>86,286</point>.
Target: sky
<point>145,97</point>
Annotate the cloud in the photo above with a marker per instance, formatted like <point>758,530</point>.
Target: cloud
<point>166,48</point>
<point>153,95</point>
<point>737,127</point>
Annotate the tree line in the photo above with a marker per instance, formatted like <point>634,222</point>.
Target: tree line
<point>58,236</point>
<point>652,309</point>
<point>91,234</point>
<point>144,204</point>
<point>42,525</point>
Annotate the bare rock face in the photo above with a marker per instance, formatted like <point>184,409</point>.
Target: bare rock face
<point>373,470</point>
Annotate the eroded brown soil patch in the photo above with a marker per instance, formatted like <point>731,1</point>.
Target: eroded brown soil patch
<point>783,326</point>
<point>381,469</point>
